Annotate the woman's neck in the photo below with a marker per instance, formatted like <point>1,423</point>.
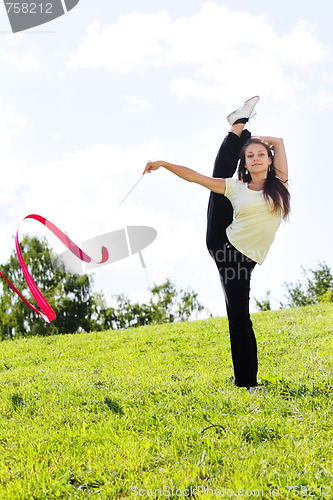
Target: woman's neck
<point>257,183</point>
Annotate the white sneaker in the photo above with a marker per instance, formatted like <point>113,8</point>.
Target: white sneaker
<point>245,111</point>
<point>252,390</point>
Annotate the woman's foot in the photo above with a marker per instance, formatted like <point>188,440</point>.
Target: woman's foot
<point>243,113</point>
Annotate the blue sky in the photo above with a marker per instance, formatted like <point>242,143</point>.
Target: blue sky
<point>87,99</point>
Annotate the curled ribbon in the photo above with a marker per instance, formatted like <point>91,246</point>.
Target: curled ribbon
<point>48,314</point>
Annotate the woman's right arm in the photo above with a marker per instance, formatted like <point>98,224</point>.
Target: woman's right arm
<point>217,185</point>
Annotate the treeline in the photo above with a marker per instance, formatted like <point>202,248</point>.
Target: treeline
<point>76,306</point>
<point>79,309</point>
<point>316,287</point>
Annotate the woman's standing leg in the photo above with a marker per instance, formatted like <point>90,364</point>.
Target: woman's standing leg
<point>235,275</point>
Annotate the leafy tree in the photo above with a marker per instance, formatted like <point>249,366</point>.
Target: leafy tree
<point>76,307</point>
<point>315,289</point>
<point>166,305</point>
<point>69,295</point>
<point>265,303</point>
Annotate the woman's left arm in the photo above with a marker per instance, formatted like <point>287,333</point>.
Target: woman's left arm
<point>280,157</point>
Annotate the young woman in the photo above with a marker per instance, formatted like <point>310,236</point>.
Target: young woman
<point>243,216</point>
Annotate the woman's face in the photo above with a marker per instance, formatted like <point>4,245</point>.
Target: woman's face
<point>257,159</point>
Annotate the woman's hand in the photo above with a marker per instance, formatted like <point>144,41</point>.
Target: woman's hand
<point>271,141</point>
<point>152,165</point>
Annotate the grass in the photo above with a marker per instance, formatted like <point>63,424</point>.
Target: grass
<point>152,412</point>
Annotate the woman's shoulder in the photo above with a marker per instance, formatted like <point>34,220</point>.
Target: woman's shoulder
<point>233,186</point>
<point>234,181</point>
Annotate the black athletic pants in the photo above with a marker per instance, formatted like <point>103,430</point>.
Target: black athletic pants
<point>234,268</point>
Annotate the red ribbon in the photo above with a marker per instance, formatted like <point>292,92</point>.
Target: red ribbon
<point>48,314</point>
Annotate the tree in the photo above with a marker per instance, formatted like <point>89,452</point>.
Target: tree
<point>166,305</point>
<point>265,303</point>
<point>313,290</point>
<point>69,295</point>
<point>76,307</point>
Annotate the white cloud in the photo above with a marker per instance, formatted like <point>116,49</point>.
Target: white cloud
<point>217,65</point>
<point>136,41</point>
<point>23,62</point>
<point>12,186</point>
<point>12,125</point>
<point>300,48</point>
<point>135,105</point>
<point>324,97</point>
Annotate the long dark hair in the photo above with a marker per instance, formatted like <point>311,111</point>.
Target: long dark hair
<point>274,190</point>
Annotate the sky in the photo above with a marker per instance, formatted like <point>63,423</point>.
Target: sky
<point>88,98</point>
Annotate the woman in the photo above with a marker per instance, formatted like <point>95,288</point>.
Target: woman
<point>243,216</point>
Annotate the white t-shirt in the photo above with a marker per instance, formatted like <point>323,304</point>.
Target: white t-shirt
<point>253,229</point>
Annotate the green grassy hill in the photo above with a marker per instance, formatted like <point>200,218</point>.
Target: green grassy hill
<point>152,412</point>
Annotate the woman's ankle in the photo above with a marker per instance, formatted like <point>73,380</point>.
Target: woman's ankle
<point>237,128</point>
